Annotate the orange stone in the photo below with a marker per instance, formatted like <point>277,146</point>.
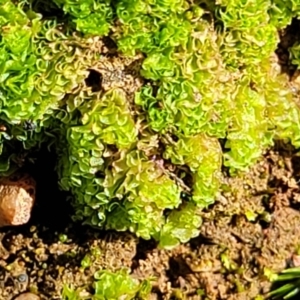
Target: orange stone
<point>17,196</point>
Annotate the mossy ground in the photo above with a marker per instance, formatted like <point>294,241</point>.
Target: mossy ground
<point>252,228</point>
<point>251,231</point>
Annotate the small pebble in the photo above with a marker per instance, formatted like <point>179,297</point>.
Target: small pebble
<point>16,200</point>
<point>23,278</point>
<point>28,296</point>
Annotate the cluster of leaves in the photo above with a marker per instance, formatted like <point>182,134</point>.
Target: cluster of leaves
<point>108,285</point>
<point>40,64</point>
<point>209,81</point>
<point>282,12</point>
<point>151,163</point>
<point>115,184</point>
<point>249,39</point>
<point>203,155</point>
<point>91,17</point>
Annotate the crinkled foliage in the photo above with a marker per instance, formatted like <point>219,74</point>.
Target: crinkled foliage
<point>119,285</point>
<point>108,285</point>
<point>86,147</point>
<point>283,11</point>
<point>118,188</point>
<point>181,225</point>
<point>203,155</point>
<point>39,65</point>
<point>91,17</point>
<point>148,192</point>
<point>148,162</point>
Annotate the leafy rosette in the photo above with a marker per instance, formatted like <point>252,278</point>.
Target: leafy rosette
<point>84,154</point>
<point>283,11</point>
<point>38,65</point>
<point>193,87</point>
<point>203,155</point>
<point>181,225</point>
<point>151,26</point>
<point>91,17</point>
<point>249,37</point>
<point>18,64</point>
<point>110,119</point>
<point>270,113</point>
<point>120,285</point>
<point>248,134</point>
<point>147,191</point>
<point>282,111</point>
<point>209,79</point>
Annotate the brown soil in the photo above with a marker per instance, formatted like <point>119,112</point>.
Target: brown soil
<point>252,228</point>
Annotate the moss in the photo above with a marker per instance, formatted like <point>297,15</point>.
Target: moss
<point>210,98</point>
